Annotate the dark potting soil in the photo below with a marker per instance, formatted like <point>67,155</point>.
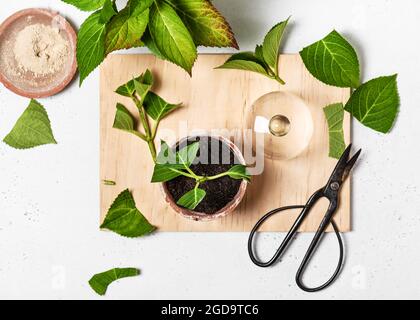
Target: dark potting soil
<point>218,192</point>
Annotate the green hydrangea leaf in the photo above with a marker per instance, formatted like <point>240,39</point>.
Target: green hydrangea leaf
<point>127,27</point>
<point>239,172</point>
<point>86,5</point>
<point>333,61</point>
<point>192,199</point>
<point>171,36</point>
<point>157,108</point>
<point>271,45</point>
<point>206,25</point>
<point>108,11</point>
<point>125,219</point>
<point>151,45</point>
<point>128,89</point>
<point>125,121</point>
<point>167,169</point>
<point>91,45</point>
<point>335,116</point>
<point>32,129</point>
<point>100,282</point>
<point>375,103</point>
<point>252,64</point>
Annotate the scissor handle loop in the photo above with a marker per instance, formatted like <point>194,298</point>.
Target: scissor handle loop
<point>257,226</point>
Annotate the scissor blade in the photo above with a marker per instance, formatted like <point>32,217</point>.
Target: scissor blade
<point>350,164</point>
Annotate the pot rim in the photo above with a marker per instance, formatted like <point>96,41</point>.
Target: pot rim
<point>230,207</point>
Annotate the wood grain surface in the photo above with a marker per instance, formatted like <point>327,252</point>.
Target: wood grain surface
<point>218,99</point>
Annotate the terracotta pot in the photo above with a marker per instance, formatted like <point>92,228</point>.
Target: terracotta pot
<point>229,208</point>
<point>29,86</point>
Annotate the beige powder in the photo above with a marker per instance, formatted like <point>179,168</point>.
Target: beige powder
<point>40,49</point>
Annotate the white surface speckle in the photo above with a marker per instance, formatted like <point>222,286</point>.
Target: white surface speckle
<point>50,244</point>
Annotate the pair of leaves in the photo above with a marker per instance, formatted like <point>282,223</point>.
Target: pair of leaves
<point>171,29</point>
<point>100,282</point>
<point>375,103</point>
<point>125,219</point>
<point>32,129</point>
<point>169,165</point>
<point>265,58</point>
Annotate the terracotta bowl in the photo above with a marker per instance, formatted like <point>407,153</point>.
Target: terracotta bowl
<point>26,84</point>
<point>229,208</point>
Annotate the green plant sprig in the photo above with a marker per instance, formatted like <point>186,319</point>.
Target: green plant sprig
<point>265,58</point>
<point>171,165</point>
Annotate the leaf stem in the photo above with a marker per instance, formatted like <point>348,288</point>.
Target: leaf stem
<point>146,126</point>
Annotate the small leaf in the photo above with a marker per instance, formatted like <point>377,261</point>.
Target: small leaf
<point>86,5</point>
<point>192,199</point>
<point>142,89</point>
<point>335,116</point>
<point>166,155</point>
<point>333,61</point>
<point>128,89</point>
<point>207,26</point>
<point>239,172</point>
<point>100,282</point>
<point>188,154</point>
<point>109,182</point>
<point>108,11</point>
<point>125,121</point>
<point>166,169</point>
<point>247,65</point>
<point>157,108</point>
<point>166,172</point>
<point>125,219</point>
<point>375,103</point>
<point>271,45</point>
<point>127,27</point>
<point>90,45</point>
<point>171,36</point>
<point>32,129</point>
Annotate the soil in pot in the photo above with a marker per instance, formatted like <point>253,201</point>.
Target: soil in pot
<point>218,192</point>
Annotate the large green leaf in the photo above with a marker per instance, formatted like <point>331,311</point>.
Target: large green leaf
<point>86,5</point>
<point>90,45</point>
<point>125,219</point>
<point>157,108</point>
<point>335,116</point>
<point>239,172</point>
<point>192,199</point>
<point>128,89</point>
<point>207,26</point>
<point>375,103</point>
<point>127,27</point>
<point>151,45</point>
<point>166,155</point>
<point>32,129</point>
<point>100,282</point>
<point>171,36</point>
<point>333,61</point>
<point>271,45</point>
<point>188,154</point>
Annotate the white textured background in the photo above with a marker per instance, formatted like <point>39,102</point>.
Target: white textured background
<point>49,239</point>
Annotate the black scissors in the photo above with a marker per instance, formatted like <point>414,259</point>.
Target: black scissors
<point>331,193</point>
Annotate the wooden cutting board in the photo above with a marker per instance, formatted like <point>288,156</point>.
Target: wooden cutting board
<point>218,99</point>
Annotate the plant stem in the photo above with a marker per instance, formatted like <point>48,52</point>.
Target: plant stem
<point>185,174</point>
<point>221,175</point>
<point>146,126</point>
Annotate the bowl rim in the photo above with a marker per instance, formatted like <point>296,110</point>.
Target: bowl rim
<point>68,28</point>
<point>226,210</point>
